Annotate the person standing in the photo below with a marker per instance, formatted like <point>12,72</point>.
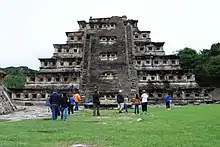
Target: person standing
<point>120,101</point>
<point>55,103</point>
<point>64,107</point>
<point>144,98</point>
<point>136,102</point>
<point>77,99</point>
<point>96,103</point>
<point>168,100</point>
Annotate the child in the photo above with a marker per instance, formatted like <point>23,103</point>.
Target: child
<point>48,103</point>
<point>126,104</point>
<point>168,99</point>
<point>136,102</point>
<point>71,104</point>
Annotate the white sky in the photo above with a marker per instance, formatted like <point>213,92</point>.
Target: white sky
<point>29,28</point>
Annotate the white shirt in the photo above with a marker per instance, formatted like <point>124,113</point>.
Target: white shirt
<point>126,100</point>
<point>144,97</point>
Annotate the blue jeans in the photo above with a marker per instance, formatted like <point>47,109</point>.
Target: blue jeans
<point>76,106</point>
<point>64,112</point>
<point>136,108</point>
<point>54,111</point>
<point>126,108</point>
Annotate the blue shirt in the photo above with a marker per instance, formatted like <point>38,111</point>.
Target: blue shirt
<point>71,100</point>
<point>168,98</point>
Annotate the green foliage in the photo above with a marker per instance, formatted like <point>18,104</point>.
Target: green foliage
<point>212,66</point>
<point>206,61</point>
<point>188,126</point>
<point>16,76</point>
<point>188,58</point>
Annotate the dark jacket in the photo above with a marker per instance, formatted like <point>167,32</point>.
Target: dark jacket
<point>120,98</point>
<point>96,98</point>
<point>64,102</point>
<point>55,99</point>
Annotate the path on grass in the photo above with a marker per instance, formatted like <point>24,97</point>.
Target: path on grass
<point>27,112</point>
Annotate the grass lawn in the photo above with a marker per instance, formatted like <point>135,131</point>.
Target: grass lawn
<point>188,126</point>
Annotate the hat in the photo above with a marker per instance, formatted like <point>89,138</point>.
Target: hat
<point>120,91</point>
<point>143,91</point>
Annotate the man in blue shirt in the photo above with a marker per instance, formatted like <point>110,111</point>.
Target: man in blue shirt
<point>168,99</point>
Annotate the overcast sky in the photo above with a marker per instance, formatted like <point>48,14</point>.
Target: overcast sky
<point>29,28</point>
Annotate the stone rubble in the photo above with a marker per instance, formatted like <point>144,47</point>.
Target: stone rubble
<point>6,104</point>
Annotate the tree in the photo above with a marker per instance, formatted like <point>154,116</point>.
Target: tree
<point>212,66</point>
<point>188,58</point>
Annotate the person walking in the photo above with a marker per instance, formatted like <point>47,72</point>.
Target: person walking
<point>77,99</point>
<point>136,102</point>
<point>96,103</point>
<point>126,104</point>
<point>55,103</point>
<point>120,101</point>
<point>71,103</point>
<point>47,104</point>
<point>144,98</point>
<point>168,100</point>
<point>64,107</point>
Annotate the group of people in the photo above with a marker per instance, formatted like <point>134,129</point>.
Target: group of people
<point>124,102</point>
<point>62,105</point>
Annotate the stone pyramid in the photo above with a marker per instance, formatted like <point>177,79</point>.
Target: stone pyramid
<point>6,104</point>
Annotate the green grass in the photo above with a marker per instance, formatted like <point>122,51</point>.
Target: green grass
<point>188,126</point>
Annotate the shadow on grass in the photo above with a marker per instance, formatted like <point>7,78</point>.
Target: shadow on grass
<point>45,119</point>
<point>50,131</point>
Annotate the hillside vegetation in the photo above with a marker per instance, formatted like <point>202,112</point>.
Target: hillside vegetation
<point>16,76</point>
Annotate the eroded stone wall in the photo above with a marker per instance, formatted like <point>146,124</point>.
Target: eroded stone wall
<point>6,104</point>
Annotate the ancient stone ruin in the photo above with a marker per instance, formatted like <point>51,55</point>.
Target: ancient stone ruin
<point>6,104</point>
<point>111,54</point>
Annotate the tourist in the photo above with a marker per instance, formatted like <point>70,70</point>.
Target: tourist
<point>120,101</point>
<point>144,98</point>
<point>168,100</point>
<point>77,99</point>
<point>47,104</point>
<point>64,107</point>
<point>96,103</point>
<point>136,102</point>
<point>71,103</point>
<point>55,103</point>
<point>126,104</point>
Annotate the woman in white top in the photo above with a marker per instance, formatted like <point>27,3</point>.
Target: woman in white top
<point>144,98</point>
<point>126,104</point>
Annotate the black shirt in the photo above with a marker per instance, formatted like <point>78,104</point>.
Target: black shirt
<point>64,102</point>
